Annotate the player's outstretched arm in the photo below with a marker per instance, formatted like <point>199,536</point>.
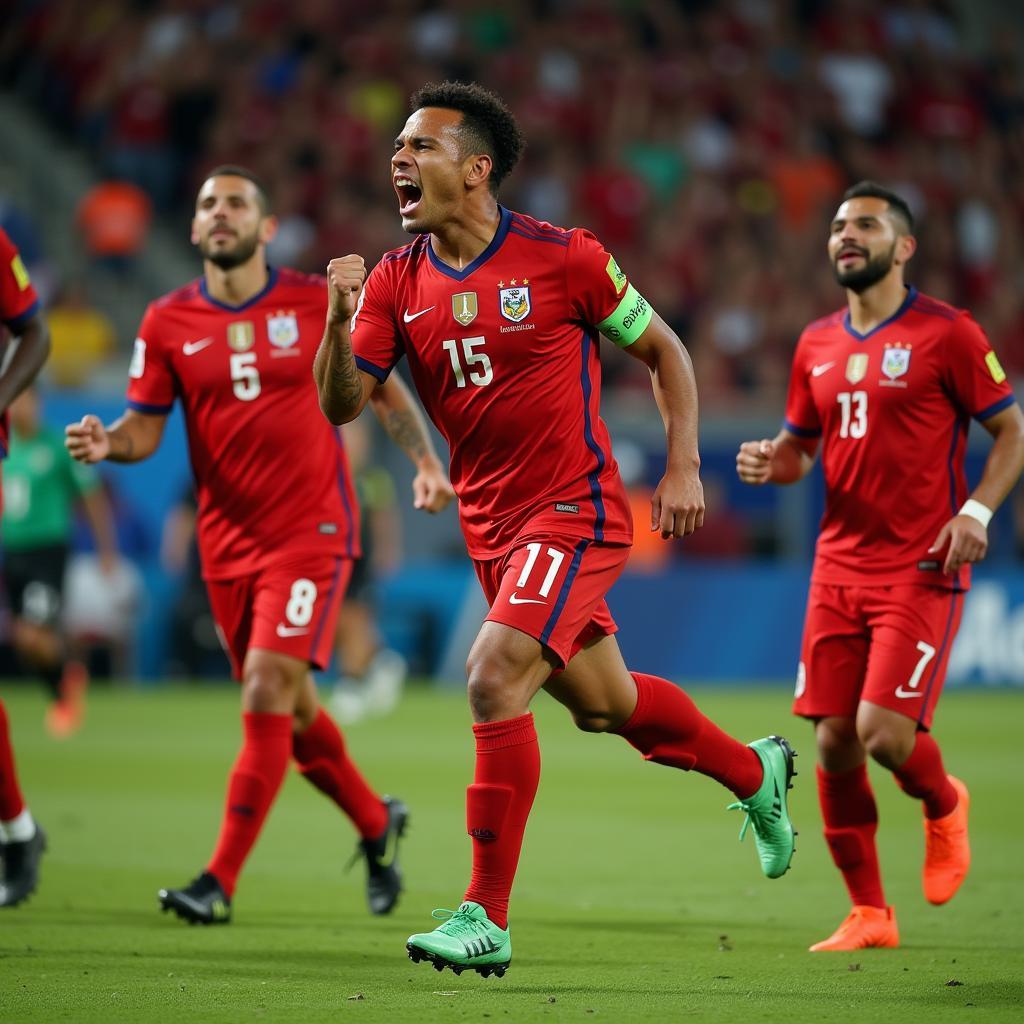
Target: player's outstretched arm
<point>400,415</point>
<point>343,389</point>
<point>33,347</point>
<point>966,534</point>
<point>783,460</point>
<point>134,437</point>
<point>677,506</point>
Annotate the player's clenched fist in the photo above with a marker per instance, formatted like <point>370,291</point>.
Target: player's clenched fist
<point>345,277</point>
<point>87,440</point>
<point>754,461</point>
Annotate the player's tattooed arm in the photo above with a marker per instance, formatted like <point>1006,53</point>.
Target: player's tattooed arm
<point>406,425</point>
<point>339,382</point>
<point>341,386</point>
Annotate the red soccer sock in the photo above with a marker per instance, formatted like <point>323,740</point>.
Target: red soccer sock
<point>252,787</point>
<point>323,760</point>
<point>851,820</point>
<point>924,777</point>
<point>667,727</point>
<point>11,801</point>
<point>497,806</point>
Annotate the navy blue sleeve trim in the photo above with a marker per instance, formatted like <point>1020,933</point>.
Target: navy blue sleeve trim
<point>16,323</point>
<point>800,431</point>
<point>149,409</point>
<point>372,369</point>
<point>1003,403</point>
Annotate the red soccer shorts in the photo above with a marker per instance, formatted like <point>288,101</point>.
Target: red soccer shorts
<point>553,589</point>
<point>290,608</point>
<point>886,645</point>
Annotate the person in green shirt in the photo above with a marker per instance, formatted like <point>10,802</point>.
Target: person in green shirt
<point>42,486</point>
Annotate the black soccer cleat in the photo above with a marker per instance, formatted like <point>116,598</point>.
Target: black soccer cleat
<point>383,875</point>
<point>20,872</point>
<point>202,901</point>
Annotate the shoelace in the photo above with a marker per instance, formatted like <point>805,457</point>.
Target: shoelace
<point>458,922</point>
<point>765,817</point>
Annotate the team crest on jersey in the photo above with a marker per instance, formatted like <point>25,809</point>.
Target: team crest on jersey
<point>465,307</point>
<point>283,329</point>
<point>514,301</point>
<point>856,367</point>
<point>241,335</point>
<point>896,360</point>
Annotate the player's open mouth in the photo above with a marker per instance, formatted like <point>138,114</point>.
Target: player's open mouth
<point>851,254</point>
<point>409,194</point>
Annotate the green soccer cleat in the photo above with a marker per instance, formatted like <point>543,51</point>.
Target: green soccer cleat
<point>766,809</point>
<point>467,940</point>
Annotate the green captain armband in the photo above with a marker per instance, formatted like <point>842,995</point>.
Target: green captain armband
<point>630,319</point>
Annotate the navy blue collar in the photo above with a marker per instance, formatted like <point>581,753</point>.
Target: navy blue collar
<point>905,305</point>
<point>504,223</point>
<point>271,281</point>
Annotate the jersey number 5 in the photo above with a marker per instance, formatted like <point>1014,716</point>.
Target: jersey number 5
<point>245,378</point>
<point>853,406</point>
<point>478,363</point>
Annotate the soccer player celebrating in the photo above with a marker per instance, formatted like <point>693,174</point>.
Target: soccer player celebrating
<point>22,841</point>
<point>499,315</point>
<point>887,387</point>
<point>277,521</point>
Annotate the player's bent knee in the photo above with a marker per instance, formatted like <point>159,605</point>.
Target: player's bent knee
<point>492,696</point>
<point>269,684</point>
<point>888,747</point>
<point>595,721</point>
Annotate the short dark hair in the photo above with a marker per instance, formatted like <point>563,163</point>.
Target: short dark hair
<point>488,126</point>
<point>897,204</point>
<point>238,171</point>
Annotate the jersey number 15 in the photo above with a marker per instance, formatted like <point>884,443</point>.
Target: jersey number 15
<point>478,363</point>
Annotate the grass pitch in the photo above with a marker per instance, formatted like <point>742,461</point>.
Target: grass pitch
<point>634,900</point>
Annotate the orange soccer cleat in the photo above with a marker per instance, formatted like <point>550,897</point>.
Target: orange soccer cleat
<point>64,717</point>
<point>864,928</point>
<point>947,852</point>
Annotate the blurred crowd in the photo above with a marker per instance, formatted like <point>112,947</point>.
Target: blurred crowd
<point>705,142</point>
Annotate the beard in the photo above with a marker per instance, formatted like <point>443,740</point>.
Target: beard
<point>871,273</point>
<point>228,259</point>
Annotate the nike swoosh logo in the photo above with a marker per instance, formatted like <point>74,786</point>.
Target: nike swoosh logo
<point>513,599</point>
<point>900,692</point>
<point>817,371</point>
<point>190,348</point>
<point>409,317</point>
<point>286,631</point>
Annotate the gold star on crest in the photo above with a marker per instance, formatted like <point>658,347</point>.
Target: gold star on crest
<point>501,284</point>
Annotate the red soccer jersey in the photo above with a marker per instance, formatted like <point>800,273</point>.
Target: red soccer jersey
<point>505,358</point>
<point>892,407</point>
<point>18,302</point>
<point>271,472</point>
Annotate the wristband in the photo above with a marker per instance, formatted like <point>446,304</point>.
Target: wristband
<point>976,510</point>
